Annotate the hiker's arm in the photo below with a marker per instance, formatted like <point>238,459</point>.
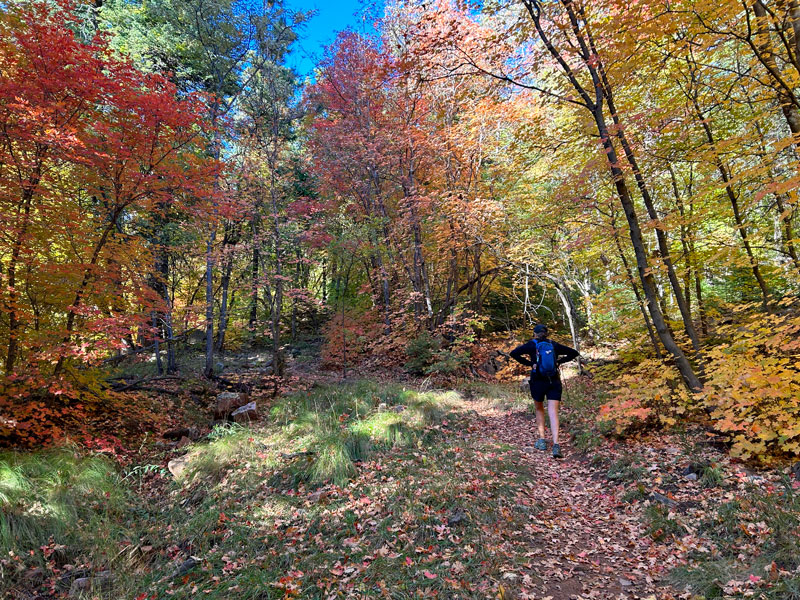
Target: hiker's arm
<point>518,354</point>
<point>566,354</point>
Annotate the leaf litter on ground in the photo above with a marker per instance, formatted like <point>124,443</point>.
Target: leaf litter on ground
<point>464,508</point>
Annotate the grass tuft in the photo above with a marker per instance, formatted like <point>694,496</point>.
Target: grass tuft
<point>213,459</point>
<point>334,458</point>
<point>661,524</point>
<point>56,507</point>
<point>626,468</point>
<point>780,513</point>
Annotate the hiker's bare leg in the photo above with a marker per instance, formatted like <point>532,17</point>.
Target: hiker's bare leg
<point>552,408</point>
<point>540,418</point>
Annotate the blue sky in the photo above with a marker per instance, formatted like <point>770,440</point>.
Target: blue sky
<point>330,18</point>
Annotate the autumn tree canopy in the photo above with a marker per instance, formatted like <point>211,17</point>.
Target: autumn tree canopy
<point>627,172</point>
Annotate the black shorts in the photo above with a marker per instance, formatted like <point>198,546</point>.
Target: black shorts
<point>546,388</point>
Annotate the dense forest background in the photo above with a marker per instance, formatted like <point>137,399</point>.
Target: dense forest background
<point>627,172</point>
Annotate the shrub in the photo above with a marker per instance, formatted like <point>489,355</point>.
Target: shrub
<point>752,388</point>
<point>753,384</point>
<point>647,395</point>
<point>348,337</point>
<point>422,352</point>
<point>428,356</point>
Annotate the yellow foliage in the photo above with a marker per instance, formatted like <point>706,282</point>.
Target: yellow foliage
<point>751,392</point>
<point>753,384</point>
<point>649,394</point>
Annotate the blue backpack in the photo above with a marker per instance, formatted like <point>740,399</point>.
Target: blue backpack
<point>546,358</point>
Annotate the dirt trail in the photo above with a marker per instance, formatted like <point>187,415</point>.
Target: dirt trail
<point>584,542</point>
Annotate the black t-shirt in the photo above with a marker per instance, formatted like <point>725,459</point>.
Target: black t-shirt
<point>563,354</point>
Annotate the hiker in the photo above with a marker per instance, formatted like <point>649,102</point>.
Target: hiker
<point>545,381</point>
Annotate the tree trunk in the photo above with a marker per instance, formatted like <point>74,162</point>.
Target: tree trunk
<point>87,277</point>
<point>785,212</point>
<point>223,307</point>
<point>569,309</point>
<point>595,106</point>
<point>763,49</point>
<point>163,270</point>
<point>156,344</point>
<point>645,272</point>
<point>661,236</point>
<point>684,233</point>
<point>278,362</point>
<point>14,322</point>
<point>208,371</point>
<point>255,227</point>
<point>216,151</point>
<point>639,301</point>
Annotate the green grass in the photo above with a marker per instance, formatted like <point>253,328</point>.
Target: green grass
<point>626,468</point>
<point>587,439</point>
<point>337,425</point>
<point>711,476</point>
<point>242,501</point>
<point>503,395</point>
<point>46,494</point>
<point>661,525</point>
<point>780,514</point>
<point>706,579</point>
<point>59,508</point>
<point>788,589</point>
<point>372,519</point>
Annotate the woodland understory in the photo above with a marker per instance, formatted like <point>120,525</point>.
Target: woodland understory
<point>254,327</point>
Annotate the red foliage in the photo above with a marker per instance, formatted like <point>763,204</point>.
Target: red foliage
<point>88,146</point>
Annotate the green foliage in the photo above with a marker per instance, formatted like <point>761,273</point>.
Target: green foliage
<point>422,352</point>
<point>626,468</point>
<point>635,493</point>
<point>711,476</point>
<point>224,430</point>
<point>139,473</point>
<point>448,362</point>
<point>587,439</point>
<point>427,355</point>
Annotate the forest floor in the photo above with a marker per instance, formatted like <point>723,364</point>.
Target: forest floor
<point>378,489</point>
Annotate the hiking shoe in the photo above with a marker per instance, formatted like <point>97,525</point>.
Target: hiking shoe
<point>540,445</point>
<point>557,451</point>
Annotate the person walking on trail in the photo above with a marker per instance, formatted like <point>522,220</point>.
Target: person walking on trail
<point>545,381</point>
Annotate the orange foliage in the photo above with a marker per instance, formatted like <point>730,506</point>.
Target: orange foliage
<point>646,395</point>
<point>348,337</point>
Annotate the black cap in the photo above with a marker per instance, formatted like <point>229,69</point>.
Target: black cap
<point>540,328</point>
